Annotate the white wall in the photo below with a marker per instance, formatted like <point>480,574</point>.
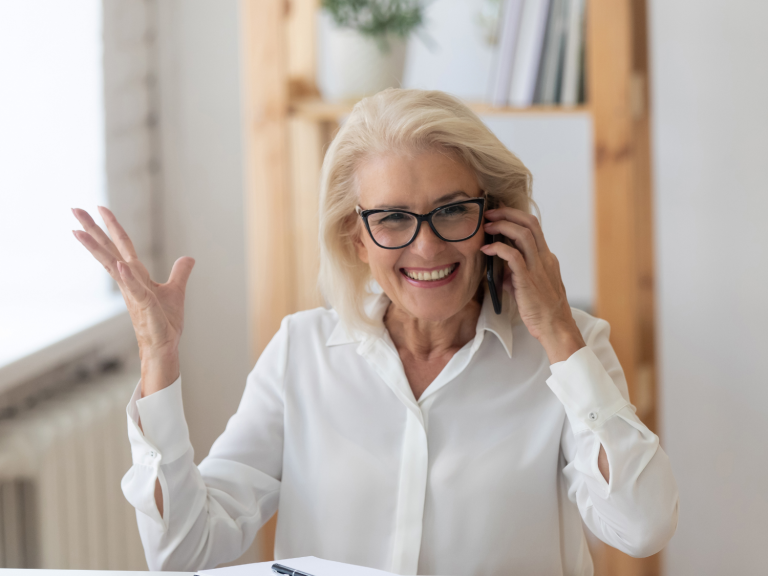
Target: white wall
<point>203,184</point>
<point>710,99</point>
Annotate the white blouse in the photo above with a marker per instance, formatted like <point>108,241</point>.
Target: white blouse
<point>490,471</point>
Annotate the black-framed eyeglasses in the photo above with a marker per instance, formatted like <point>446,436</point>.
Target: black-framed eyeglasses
<point>454,222</point>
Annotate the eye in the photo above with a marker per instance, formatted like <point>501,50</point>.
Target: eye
<point>459,210</point>
<point>394,218</point>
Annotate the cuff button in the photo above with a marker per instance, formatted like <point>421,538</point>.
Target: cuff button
<point>592,416</point>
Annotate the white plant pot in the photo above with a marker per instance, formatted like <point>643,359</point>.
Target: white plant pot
<point>352,66</point>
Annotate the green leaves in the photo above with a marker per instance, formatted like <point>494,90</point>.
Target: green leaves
<point>377,18</point>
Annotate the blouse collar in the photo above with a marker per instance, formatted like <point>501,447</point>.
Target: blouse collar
<point>498,324</point>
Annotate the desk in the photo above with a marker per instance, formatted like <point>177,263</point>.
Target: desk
<point>32,572</point>
<point>309,564</point>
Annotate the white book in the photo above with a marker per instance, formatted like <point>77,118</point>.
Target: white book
<point>533,26</point>
<point>505,55</point>
<point>549,81</point>
<point>569,87</point>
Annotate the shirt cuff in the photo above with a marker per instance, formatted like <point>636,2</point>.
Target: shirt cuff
<point>586,390</point>
<point>165,431</point>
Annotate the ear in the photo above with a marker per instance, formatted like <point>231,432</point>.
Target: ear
<point>362,249</point>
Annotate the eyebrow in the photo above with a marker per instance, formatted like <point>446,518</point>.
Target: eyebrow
<point>444,198</point>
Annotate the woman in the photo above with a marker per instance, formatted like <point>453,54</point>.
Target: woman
<point>409,429</point>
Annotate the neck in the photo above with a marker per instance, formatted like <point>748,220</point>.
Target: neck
<point>425,339</point>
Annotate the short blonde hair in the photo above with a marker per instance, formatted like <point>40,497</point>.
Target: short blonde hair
<point>400,121</point>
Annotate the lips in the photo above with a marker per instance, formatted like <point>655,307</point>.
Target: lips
<point>430,275</point>
<point>448,272</point>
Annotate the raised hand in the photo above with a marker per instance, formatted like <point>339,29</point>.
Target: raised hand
<point>156,310</point>
<point>534,281</point>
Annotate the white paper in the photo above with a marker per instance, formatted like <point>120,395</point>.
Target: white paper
<point>308,564</point>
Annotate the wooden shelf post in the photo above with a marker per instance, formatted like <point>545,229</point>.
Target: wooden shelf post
<point>267,203</point>
<point>617,72</point>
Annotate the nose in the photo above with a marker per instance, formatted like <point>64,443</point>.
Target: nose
<point>427,244</point>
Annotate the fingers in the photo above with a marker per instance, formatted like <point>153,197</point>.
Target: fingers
<point>523,238</point>
<point>512,256</point>
<point>119,235</point>
<point>119,270</point>
<point>96,232</point>
<point>180,272</point>
<point>520,218</point>
<point>101,253</point>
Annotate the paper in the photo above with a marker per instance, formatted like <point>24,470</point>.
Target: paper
<point>308,564</point>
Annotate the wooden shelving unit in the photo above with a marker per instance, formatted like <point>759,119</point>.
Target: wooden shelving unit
<point>317,110</point>
<point>290,127</point>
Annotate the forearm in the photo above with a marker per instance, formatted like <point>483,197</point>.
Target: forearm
<point>602,465</point>
<point>560,341</point>
<point>159,369</point>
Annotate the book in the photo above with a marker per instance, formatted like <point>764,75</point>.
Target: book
<point>569,86</point>
<point>548,89</point>
<point>505,54</point>
<point>533,25</point>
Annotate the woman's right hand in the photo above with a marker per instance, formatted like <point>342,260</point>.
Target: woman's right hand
<point>156,310</point>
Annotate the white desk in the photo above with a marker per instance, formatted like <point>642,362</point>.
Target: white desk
<point>309,564</point>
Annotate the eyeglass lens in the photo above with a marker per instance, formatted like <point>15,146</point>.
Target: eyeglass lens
<point>456,222</point>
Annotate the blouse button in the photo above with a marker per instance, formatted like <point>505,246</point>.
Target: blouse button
<point>152,452</point>
<point>593,416</point>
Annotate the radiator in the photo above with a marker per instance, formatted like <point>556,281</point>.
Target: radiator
<point>61,462</point>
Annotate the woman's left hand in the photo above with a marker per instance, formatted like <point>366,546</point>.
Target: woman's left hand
<point>533,278</point>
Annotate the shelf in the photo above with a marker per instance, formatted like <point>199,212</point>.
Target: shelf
<point>320,111</point>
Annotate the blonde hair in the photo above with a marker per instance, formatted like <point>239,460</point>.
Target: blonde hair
<point>400,121</point>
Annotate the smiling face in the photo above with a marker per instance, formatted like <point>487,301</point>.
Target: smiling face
<point>419,184</point>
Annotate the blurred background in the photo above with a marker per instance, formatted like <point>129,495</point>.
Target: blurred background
<point>202,124</point>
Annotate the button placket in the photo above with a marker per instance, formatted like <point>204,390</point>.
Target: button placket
<point>414,461</point>
<point>409,516</point>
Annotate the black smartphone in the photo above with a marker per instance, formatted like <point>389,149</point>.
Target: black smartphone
<point>495,274</point>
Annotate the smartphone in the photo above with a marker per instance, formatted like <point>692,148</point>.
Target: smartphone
<point>495,274</point>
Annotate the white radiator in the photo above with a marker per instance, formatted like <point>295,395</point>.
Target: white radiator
<point>60,468</point>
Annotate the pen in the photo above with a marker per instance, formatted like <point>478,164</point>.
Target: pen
<point>280,569</point>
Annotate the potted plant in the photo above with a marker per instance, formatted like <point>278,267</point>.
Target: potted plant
<point>362,45</point>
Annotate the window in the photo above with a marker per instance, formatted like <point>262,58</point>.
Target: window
<point>51,158</point>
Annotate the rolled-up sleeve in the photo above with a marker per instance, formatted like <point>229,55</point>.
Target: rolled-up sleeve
<point>636,510</point>
<point>211,513</point>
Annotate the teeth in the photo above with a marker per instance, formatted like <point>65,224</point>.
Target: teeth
<point>431,276</point>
